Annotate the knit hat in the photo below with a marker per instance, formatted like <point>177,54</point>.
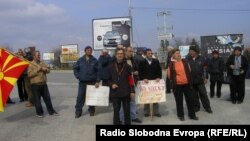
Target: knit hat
<point>194,48</point>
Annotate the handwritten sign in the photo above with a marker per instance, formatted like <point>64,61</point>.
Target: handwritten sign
<point>97,96</point>
<point>151,92</point>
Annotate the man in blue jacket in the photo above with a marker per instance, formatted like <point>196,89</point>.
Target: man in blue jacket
<point>86,70</point>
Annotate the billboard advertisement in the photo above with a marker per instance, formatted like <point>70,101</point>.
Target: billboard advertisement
<point>69,53</point>
<point>110,32</point>
<point>184,50</point>
<point>223,43</point>
<point>49,56</point>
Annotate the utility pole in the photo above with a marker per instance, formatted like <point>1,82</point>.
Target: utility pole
<point>129,8</point>
<point>163,35</point>
<point>130,16</point>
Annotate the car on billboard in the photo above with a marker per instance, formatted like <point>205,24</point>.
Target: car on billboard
<point>111,38</point>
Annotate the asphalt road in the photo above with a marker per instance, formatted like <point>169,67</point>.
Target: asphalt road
<point>19,123</point>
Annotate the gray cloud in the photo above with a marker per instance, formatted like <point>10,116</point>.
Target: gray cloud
<point>32,23</point>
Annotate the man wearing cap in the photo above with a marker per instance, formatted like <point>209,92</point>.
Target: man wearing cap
<point>86,70</point>
<point>237,66</point>
<point>200,76</point>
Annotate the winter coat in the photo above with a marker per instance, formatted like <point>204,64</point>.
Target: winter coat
<point>215,69</point>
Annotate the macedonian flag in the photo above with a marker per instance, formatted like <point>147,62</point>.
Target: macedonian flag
<point>11,67</point>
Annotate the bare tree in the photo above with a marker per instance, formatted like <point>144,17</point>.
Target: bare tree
<point>178,42</point>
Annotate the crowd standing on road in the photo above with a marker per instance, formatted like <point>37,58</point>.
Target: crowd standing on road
<point>121,72</point>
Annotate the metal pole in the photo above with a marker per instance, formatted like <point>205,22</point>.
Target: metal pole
<point>130,16</point>
<point>129,8</point>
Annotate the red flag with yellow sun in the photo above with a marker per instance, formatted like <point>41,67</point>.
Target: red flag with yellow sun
<point>11,67</point>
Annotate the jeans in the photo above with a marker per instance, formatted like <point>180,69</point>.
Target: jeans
<point>80,100</point>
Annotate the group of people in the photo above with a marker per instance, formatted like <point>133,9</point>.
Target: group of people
<point>189,76</point>
<point>122,71</point>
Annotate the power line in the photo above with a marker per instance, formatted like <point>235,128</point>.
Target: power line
<point>192,9</point>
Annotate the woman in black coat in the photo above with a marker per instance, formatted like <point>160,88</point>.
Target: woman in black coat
<point>215,70</point>
<point>121,86</point>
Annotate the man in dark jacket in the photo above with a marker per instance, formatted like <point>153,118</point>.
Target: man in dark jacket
<point>86,70</point>
<point>150,69</point>
<point>199,75</point>
<point>104,61</point>
<point>237,66</point>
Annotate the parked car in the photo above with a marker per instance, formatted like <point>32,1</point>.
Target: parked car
<point>111,38</point>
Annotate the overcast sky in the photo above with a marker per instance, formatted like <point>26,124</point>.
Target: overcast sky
<point>47,24</point>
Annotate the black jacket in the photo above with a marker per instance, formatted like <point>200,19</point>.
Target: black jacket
<point>150,72</point>
<point>198,69</point>
<point>215,69</point>
<point>124,88</point>
<point>244,65</point>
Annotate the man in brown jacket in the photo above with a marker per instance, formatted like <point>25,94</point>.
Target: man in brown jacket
<point>37,73</point>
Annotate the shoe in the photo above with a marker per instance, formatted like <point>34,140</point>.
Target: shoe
<point>21,100</point>
<point>39,115</point>
<point>78,115</point>
<point>11,102</point>
<point>209,111</point>
<point>137,120</point>
<point>54,114</point>
<point>239,102</point>
<point>234,102</point>
<point>194,118</point>
<point>211,96</point>
<point>157,115</point>
<point>146,115</point>
<point>181,118</point>
<point>28,104</point>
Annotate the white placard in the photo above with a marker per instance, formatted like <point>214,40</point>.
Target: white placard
<point>97,96</point>
<point>151,92</point>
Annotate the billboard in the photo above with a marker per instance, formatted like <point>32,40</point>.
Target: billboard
<point>69,53</point>
<point>223,43</point>
<point>184,50</point>
<point>49,56</point>
<point>110,32</point>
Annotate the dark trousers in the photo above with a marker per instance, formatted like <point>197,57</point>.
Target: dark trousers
<point>212,86</point>
<point>238,89</point>
<point>80,100</point>
<point>189,97</point>
<point>125,102</point>
<point>42,91</point>
<point>21,89</point>
<point>155,109</point>
<point>200,93</point>
<point>168,85</point>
